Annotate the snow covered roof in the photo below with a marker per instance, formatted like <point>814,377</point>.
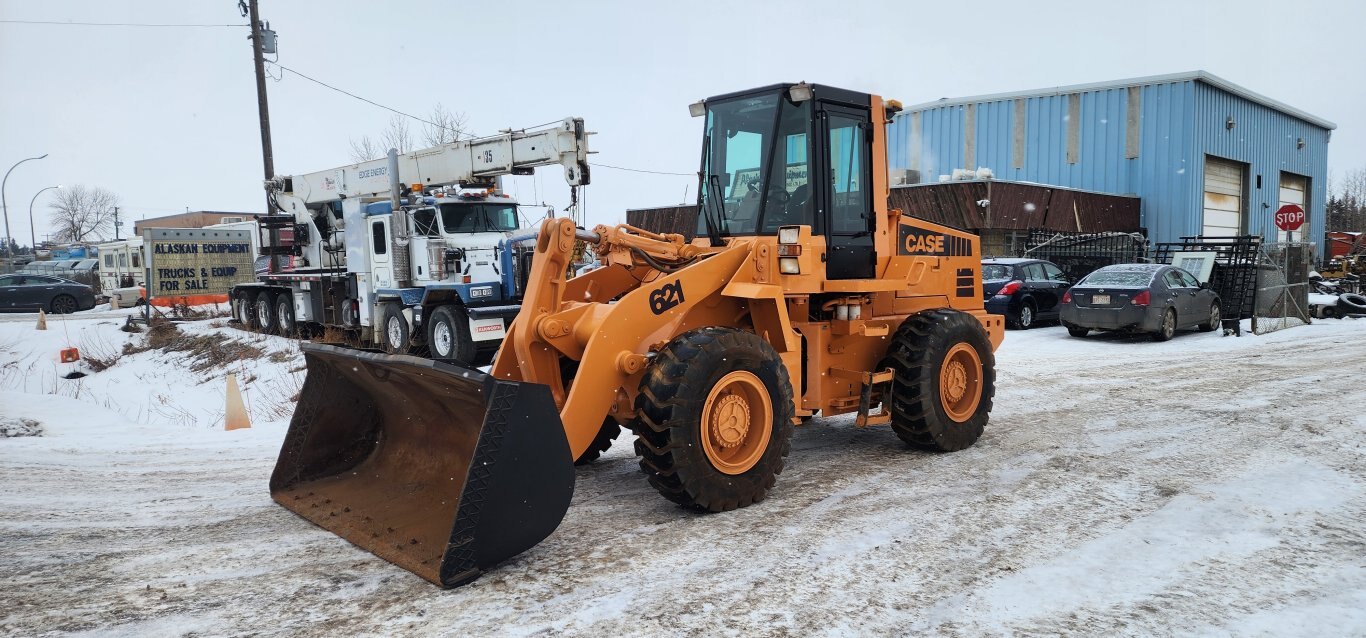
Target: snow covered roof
<point>1171,78</point>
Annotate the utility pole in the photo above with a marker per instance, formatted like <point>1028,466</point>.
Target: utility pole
<point>117,223</point>
<point>263,108</point>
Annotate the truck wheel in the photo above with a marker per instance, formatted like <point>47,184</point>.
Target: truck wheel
<point>241,308</point>
<point>263,313</point>
<point>397,339</point>
<point>448,336</point>
<point>945,380</point>
<point>714,419</point>
<point>606,434</point>
<point>284,314</point>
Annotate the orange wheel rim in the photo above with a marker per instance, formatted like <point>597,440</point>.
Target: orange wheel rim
<point>960,382</point>
<point>737,422</point>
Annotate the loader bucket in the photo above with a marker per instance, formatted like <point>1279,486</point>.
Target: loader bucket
<point>440,470</point>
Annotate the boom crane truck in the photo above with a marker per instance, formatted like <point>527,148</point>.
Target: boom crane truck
<point>410,249</point>
<point>803,292</point>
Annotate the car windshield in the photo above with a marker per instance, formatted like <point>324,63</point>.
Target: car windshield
<point>1121,278</point>
<point>478,217</point>
<point>995,272</point>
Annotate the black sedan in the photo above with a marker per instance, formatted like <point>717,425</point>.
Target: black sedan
<point>1026,291</point>
<point>30,293</point>
<point>1152,298</point>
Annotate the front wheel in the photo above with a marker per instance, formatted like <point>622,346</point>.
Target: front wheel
<point>714,419</point>
<point>448,336</point>
<point>1214,318</point>
<point>945,380</point>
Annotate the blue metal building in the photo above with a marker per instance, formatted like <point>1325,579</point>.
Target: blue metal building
<point>1205,156</point>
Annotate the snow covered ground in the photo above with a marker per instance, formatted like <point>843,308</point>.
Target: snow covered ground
<point>1209,485</point>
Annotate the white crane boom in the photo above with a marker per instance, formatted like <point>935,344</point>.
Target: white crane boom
<point>467,163</point>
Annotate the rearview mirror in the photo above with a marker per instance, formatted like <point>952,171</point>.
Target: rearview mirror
<point>1204,285</point>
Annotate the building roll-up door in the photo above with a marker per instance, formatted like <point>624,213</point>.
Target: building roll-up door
<point>1224,210</point>
<point>1293,189</point>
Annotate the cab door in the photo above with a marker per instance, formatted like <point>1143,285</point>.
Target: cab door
<point>381,264</point>
<point>844,175</point>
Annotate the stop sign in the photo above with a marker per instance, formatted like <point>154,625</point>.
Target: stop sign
<point>1289,217</point>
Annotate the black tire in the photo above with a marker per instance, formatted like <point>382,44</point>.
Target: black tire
<point>674,394</point>
<point>1026,316</point>
<point>263,313</point>
<point>284,314</point>
<point>918,355</point>
<point>1078,331</point>
<point>1351,303</point>
<point>448,336</point>
<point>606,434</point>
<point>395,336</point>
<point>1167,329</point>
<point>62,305</point>
<point>1215,319</point>
<point>1329,312</point>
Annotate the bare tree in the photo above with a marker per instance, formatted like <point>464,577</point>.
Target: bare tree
<point>444,127</point>
<point>364,150</point>
<point>396,136</point>
<point>82,212</point>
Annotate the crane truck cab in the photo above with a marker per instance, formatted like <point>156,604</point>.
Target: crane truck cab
<point>405,251</point>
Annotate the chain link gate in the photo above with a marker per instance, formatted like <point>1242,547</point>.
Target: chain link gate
<point>1282,299</point>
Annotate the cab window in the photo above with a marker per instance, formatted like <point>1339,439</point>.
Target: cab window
<point>1054,273</point>
<point>381,246</point>
<point>1034,272</point>
<point>1173,279</point>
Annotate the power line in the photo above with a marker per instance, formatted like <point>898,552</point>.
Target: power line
<point>409,115</point>
<point>116,24</point>
<point>641,170</point>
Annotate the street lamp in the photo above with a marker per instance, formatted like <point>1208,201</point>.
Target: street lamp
<point>9,252</point>
<point>32,233</point>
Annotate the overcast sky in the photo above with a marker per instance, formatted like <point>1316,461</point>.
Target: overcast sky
<point>166,117</point>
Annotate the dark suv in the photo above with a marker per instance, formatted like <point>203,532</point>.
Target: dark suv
<point>1024,290</point>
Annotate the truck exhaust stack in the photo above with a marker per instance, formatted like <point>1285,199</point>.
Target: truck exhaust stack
<point>440,470</point>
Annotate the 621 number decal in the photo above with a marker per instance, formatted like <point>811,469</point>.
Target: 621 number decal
<point>666,297</point>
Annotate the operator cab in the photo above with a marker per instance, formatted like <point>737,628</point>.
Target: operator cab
<point>761,154</point>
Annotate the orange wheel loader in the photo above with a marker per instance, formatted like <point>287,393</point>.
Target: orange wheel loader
<point>802,293</point>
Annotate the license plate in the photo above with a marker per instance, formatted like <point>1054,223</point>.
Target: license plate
<point>1100,300</point>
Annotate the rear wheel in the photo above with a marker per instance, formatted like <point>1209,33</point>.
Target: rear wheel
<point>1025,317</point>
<point>1077,331</point>
<point>1214,319</point>
<point>263,313</point>
<point>448,336</point>
<point>241,307</point>
<point>284,314</point>
<point>63,305</point>
<point>606,434</point>
<point>945,380</point>
<point>714,419</point>
<point>1167,329</point>
<point>397,336</point>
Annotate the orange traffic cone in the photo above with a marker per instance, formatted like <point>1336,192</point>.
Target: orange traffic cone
<point>236,416</point>
<point>42,319</point>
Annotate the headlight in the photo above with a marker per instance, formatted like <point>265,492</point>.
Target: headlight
<point>789,234</point>
<point>789,266</point>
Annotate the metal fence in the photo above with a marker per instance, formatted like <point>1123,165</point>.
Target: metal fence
<point>1078,254</point>
<point>1282,299</point>
<point>1234,276</point>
